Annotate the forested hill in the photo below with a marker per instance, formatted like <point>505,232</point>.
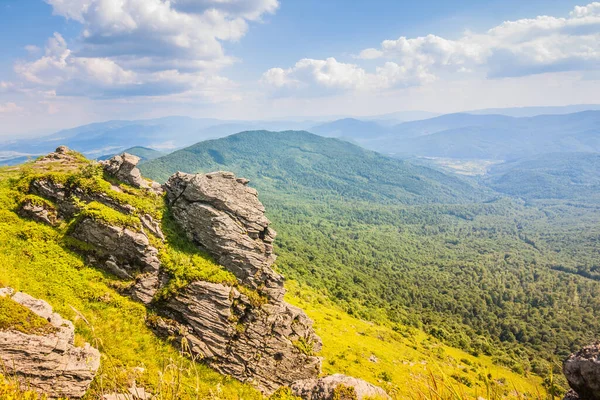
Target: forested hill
<point>573,176</point>
<point>391,241</point>
<point>309,165</point>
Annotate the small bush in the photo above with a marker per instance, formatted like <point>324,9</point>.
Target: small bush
<point>343,392</point>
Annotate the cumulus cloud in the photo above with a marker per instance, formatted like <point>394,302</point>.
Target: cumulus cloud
<point>332,75</point>
<point>143,47</point>
<point>511,49</point>
<point>178,33</point>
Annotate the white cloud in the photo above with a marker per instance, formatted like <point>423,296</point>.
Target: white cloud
<point>31,49</point>
<point>10,108</point>
<point>69,75</point>
<point>174,34</point>
<point>513,48</point>
<point>331,75</point>
<point>143,47</point>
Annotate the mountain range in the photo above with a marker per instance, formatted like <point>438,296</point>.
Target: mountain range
<point>494,134</point>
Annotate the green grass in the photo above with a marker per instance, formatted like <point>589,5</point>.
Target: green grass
<point>102,213</point>
<point>14,316</point>
<point>402,359</point>
<point>36,259</point>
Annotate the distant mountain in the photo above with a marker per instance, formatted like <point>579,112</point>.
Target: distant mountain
<point>169,133</point>
<point>534,111</point>
<point>349,128</point>
<point>144,153</point>
<point>549,176</point>
<point>311,166</point>
<point>490,136</point>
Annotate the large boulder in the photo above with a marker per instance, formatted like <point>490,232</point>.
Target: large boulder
<point>122,252</point>
<point>224,216</point>
<point>325,388</point>
<point>271,345</point>
<point>582,370</point>
<point>124,168</point>
<point>47,362</point>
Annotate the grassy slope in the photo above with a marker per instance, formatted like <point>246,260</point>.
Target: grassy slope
<point>404,359</point>
<point>33,259</point>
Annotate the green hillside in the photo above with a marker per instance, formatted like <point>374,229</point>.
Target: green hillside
<point>497,277</point>
<point>39,260</point>
<point>550,176</point>
<point>313,167</point>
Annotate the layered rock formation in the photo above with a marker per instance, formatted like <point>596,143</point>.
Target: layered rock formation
<point>582,370</point>
<point>244,330</point>
<point>325,388</point>
<point>272,343</point>
<point>223,215</point>
<point>124,253</point>
<point>48,363</point>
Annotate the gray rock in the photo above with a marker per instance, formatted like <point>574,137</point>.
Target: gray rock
<point>324,388</point>
<point>40,213</point>
<point>122,252</point>
<point>48,363</point>
<point>253,344</point>
<point>124,168</point>
<point>152,226</point>
<point>582,370</point>
<point>224,216</point>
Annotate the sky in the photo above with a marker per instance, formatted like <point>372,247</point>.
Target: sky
<point>70,62</point>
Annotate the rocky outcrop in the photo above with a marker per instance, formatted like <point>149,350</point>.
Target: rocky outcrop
<point>582,370</point>
<point>124,253</point>
<point>40,212</point>
<point>270,345</point>
<point>244,330</point>
<point>224,216</point>
<point>325,388</point>
<point>48,363</point>
<point>124,168</point>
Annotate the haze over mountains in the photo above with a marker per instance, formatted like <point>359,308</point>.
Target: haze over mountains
<point>473,135</point>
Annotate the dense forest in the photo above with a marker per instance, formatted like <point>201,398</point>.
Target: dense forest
<point>398,243</point>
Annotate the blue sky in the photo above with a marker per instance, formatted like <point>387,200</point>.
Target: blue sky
<point>69,62</point>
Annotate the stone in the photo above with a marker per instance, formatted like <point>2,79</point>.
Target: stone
<point>124,253</point>
<point>225,217</point>
<point>48,363</point>
<point>324,388</point>
<point>253,344</point>
<point>582,370</point>
<point>152,226</point>
<point>124,168</point>
<point>38,212</point>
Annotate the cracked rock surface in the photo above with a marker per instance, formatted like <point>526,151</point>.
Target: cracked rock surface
<point>48,363</point>
<point>582,370</point>
<point>253,344</point>
<point>224,216</point>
